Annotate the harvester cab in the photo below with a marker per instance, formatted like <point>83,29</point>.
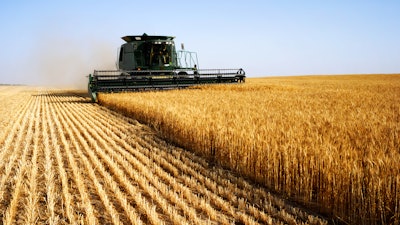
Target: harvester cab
<point>152,62</point>
<point>147,53</point>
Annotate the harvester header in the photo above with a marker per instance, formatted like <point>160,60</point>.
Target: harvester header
<point>147,62</point>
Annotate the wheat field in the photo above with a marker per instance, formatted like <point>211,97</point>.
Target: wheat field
<point>65,160</point>
<point>328,142</point>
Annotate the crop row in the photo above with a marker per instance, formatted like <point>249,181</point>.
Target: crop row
<point>66,161</point>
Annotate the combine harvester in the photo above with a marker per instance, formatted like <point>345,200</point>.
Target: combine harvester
<point>152,63</point>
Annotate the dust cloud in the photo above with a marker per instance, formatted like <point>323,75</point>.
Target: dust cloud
<point>64,62</point>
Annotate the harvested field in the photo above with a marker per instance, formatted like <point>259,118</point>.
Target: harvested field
<point>329,142</point>
<point>65,160</point>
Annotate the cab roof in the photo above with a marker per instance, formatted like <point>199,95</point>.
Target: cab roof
<point>146,37</point>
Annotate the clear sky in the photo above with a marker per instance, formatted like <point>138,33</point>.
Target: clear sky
<point>54,42</point>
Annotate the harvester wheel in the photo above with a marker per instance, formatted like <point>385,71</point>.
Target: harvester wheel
<point>92,94</point>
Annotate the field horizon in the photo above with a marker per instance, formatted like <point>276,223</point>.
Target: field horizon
<point>72,87</point>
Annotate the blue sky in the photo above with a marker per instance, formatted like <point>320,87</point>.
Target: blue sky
<point>54,42</point>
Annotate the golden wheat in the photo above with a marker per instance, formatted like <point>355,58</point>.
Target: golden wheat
<point>329,142</point>
<point>65,161</point>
